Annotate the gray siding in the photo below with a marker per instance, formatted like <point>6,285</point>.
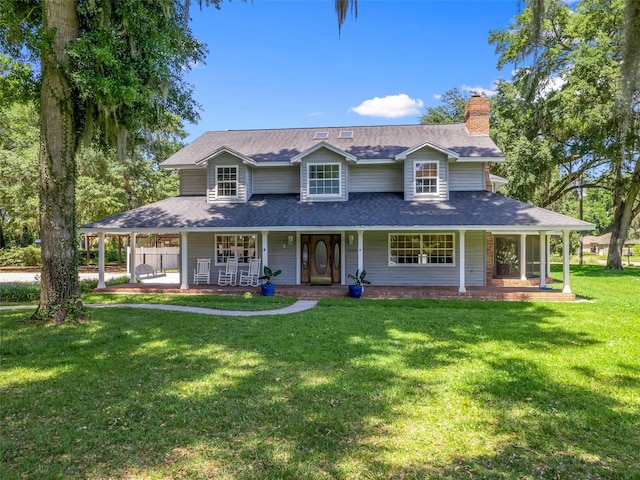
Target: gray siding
<point>323,156</point>
<point>248,181</point>
<point>465,177</point>
<point>375,178</point>
<point>409,175</point>
<point>226,160</point>
<point>376,263</point>
<point>193,181</point>
<point>283,256</point>
<point>475,259</point>
<point>276,180</point>
<point>201,245</point>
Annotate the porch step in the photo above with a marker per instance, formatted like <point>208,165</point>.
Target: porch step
<point>318,292</point>
<point>516,282</point>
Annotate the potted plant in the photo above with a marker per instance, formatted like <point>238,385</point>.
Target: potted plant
<point>267,288</point>
<point>355,290</point>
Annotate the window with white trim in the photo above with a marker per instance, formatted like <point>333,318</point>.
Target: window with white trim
<point>426,178</point>
<point>227,181</point>
<point>324,179</point>
<point>242,247</point>
<point>421,249</point>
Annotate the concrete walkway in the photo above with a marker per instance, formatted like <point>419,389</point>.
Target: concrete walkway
<point>299,306</point>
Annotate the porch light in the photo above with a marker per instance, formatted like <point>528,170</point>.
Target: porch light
<point>350,238</point>
<point>290,239</point>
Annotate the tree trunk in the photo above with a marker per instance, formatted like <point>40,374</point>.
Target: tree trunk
<point>60,292</point>
<point>623,215</point>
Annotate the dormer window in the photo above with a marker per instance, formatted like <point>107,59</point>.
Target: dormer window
<point>426,178</point>
<point>324,179</point>
<point>321,136</point>
<point>227,182</point>
<point>346,134</point>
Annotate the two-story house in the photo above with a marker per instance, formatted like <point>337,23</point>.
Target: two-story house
<point>412,204</point>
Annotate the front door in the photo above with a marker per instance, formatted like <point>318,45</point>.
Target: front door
<point>320,262</point>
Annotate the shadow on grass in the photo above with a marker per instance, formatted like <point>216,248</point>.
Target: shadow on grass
<point>319,394</point>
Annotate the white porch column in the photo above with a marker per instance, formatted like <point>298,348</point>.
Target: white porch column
<point>548,255</point>
<point>360,250</point>
<point>543,260</point>
<point>523,256</point>
<point>566,247</point>
<point>101,283</point>
<point>184,261</point>
<point>462,288</point>
<point>265,249</point>
<point>133,261</point>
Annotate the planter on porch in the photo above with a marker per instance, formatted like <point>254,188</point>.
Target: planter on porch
<point>355,291</point>
<point>267,289</point>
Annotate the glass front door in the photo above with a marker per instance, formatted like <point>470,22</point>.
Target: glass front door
<point>320,262</point>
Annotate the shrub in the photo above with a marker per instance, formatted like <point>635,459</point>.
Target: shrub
<point>20,256</point>
<point>32,256</point>
<point>19,292</point>
<point>91,284</point>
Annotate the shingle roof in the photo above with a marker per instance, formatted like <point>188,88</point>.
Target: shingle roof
<point>605,239</point>
<point>365,210</point>
<point>372,142</point>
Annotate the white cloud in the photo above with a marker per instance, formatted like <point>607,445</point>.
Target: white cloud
<point>489,92</point>
<point>437,96</point>
<point>552,84</point>
<point>391,106</point>
<point>315,114</point>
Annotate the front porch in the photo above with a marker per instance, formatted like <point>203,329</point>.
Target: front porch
<point>316,292</point>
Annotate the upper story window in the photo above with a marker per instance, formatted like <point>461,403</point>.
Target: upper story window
<point>227,181</point>
<point>324,179</point>
<point>426,178</point>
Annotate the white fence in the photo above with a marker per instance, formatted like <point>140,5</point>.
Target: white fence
<point>161,259</point>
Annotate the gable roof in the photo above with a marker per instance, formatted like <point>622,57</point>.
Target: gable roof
<point>605,239</point>
<point>371,211</point>
<point>318,146</point>
<point>369,142</point>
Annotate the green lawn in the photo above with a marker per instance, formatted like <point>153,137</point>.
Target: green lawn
<point>353,389</point>
<point>221,302</point>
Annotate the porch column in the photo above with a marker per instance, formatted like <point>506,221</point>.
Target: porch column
<point>543,260</point>
<point>566,247</point>
<point>548,270</point>
<point>101,283</point>
<point>360,250</point>
<point>523,256</point>
<point>462,288</point>
<point>184,261</point>
<point>265,249</point>
<point>132,263</point>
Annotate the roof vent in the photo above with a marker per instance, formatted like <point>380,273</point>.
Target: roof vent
<point>346,134</point>
<point>321,135</point>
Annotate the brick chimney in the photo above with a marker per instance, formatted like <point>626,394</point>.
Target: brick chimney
<point>476,115</point>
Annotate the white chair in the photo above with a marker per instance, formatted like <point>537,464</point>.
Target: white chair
<point>202,271</point>
<point>229,275</point>
<point>250,276</point>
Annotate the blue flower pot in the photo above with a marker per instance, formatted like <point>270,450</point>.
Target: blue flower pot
<point>267,289</point>
<point>355,291</point>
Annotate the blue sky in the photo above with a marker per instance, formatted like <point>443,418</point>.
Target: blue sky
<point>281,63</point>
